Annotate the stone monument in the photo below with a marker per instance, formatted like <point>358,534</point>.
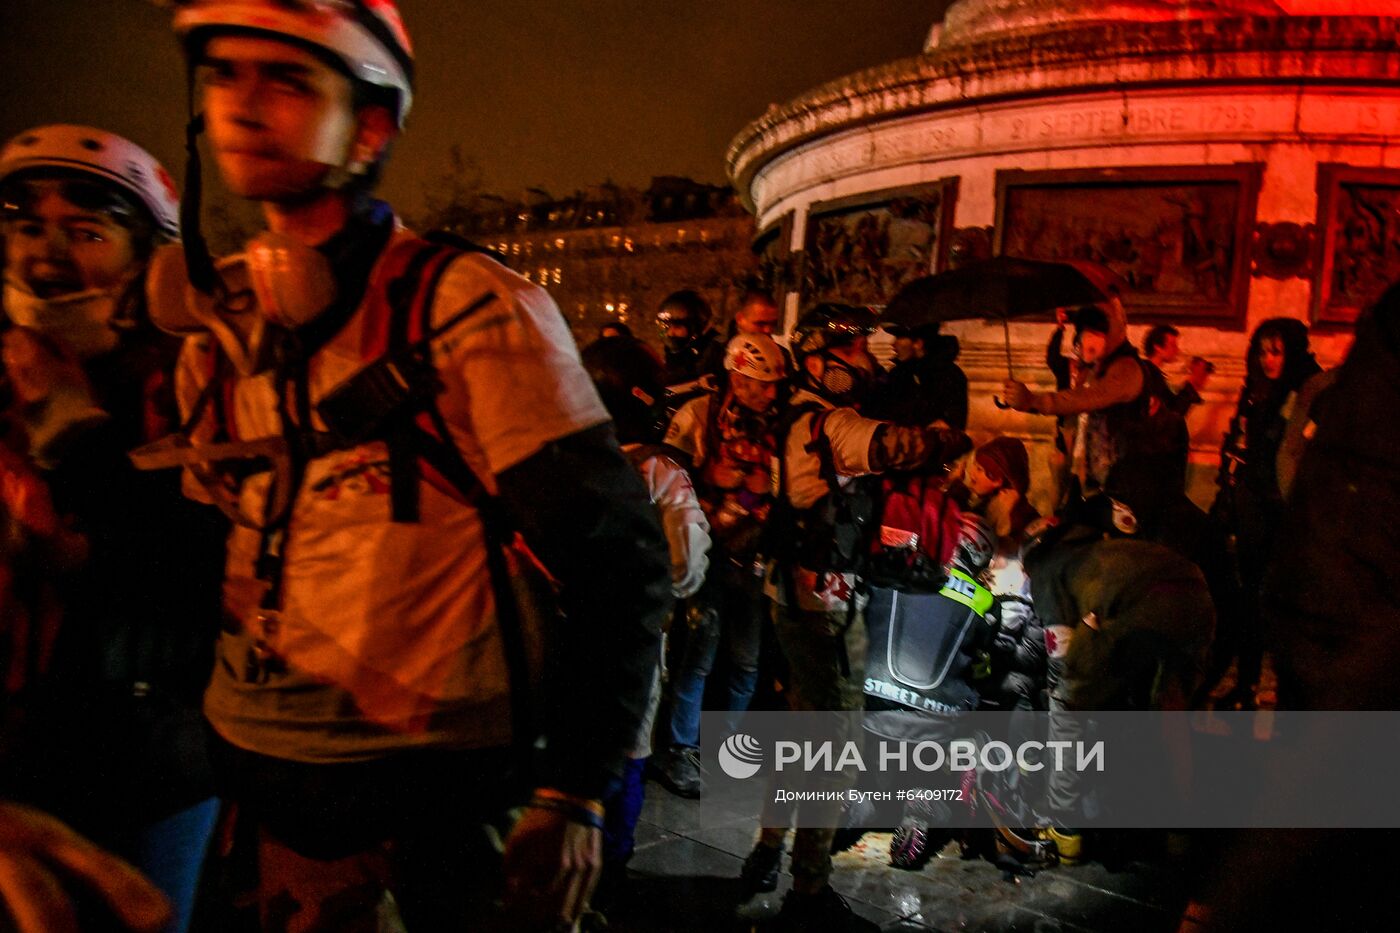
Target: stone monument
<point>1232,160</point>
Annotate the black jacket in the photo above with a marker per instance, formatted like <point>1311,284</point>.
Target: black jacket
<point>111,735</point>
<point>923,390</point>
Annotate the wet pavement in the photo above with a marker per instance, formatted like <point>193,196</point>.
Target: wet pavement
<point>687,862</point>
<point>684,874</point>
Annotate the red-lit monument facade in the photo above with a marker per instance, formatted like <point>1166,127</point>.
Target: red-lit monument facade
<point>1232,160</point>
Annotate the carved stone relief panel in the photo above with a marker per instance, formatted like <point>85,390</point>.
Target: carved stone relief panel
<point>1181,237</point>
<point>1359,243</point>
<point>861,250</point>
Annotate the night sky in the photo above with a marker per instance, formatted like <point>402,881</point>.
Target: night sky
<point>555,93</point>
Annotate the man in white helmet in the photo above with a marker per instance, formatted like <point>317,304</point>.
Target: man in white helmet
<point>820,536</point>
<point>730,441</point>
<point>370,688</point>
<point>109,579</point>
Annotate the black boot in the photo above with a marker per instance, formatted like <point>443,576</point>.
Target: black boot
<point>760,872</point>
<point>823,912</point>
<point>679,772</point>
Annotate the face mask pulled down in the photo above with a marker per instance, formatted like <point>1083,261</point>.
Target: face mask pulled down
<point>81,322</point>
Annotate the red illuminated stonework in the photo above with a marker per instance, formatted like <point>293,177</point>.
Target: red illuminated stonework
<point>1220,155</point>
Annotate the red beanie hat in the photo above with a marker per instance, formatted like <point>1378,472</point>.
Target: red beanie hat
<point>1006,458</point>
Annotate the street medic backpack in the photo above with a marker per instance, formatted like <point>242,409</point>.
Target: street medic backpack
<point>393,398</point>
<point>919,529</point>
<point>926,648</point>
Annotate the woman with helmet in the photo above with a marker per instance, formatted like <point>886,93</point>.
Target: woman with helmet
<point>102,723</point>
<point>83,211</point>
<point>372,695</point>
<point>730,440</point>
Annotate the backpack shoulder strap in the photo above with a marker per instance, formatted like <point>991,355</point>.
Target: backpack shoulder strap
<point>426,442</point>
<point>399,319</point>
<point>820,445</point>
<point>412,289</point>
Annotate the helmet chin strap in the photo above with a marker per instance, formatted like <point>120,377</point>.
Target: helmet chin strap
<point>198,261</point>
<point>340,176</point>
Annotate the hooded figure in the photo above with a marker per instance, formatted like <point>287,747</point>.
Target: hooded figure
<point>1116,610</point>
<point>1127,626</point>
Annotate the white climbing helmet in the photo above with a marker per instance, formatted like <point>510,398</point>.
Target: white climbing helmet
<point>103,155</point>
<point>757,356</point>
<point>366,36</point>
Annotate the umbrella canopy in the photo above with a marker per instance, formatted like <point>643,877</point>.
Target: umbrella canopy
<point>1001,288</point>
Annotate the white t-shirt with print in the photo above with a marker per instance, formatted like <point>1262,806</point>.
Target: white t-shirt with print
<point>387,638</point>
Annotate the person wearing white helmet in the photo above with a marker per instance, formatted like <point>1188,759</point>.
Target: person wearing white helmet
<point>372,692</point>
<point>820,534</point>
<point>83,209</point>
<point>111,737</point>
<point>729,440</point>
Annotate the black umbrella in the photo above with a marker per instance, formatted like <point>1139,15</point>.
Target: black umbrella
<point>1001,288</point>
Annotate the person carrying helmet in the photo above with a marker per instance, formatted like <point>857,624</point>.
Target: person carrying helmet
<point>420,406</point>
<point>628,375</point>
<point>693,349</point>
<point>109,579</point>
<point>730,440</point>
<point>820,533</point>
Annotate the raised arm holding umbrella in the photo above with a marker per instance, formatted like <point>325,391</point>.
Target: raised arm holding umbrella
<point>1113,396</point>
<point>1001,289</point>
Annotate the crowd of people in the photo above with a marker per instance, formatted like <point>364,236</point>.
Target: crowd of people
<point>425,564</point>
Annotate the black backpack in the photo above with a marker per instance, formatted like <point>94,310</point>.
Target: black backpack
<point>834,534</point>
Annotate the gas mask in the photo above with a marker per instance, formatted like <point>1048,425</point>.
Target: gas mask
<point>277,285</point>
<point>845,382</point>
<point>81,322</point>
